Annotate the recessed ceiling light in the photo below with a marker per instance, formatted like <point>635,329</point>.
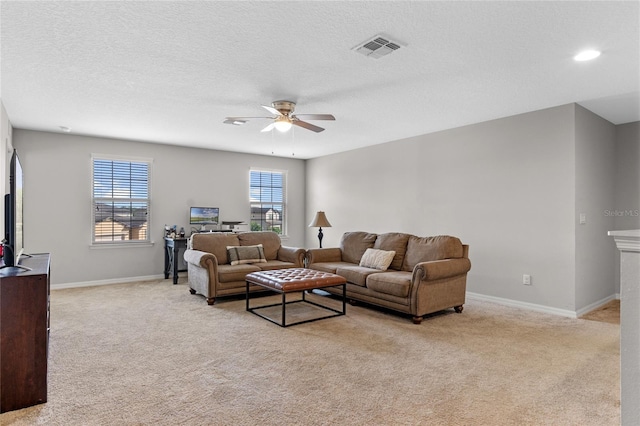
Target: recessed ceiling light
<point>587,55</point>
<point>65,129</point>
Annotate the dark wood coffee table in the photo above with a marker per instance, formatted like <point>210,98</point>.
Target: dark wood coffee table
<point>295,280</point>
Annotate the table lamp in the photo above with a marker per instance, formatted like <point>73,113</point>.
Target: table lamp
<point>320,220</point>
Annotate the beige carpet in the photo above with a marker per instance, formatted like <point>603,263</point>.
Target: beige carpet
<point>153,354</point>
<point>610,313</point>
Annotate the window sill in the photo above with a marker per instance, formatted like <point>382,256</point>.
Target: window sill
<point>121,245</point>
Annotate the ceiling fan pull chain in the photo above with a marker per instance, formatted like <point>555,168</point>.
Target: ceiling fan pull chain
<point>293,140</point>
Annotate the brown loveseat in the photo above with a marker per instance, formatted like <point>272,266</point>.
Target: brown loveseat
<point>425,275</point>
<point>211,272</point>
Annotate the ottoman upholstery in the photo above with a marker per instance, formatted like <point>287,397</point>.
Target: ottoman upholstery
<point>285,281</point>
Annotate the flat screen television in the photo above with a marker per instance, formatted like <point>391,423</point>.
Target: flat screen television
<point>13,220</point>
<point>204,216</point>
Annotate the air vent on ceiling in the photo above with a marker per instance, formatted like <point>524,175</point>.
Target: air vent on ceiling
<point>378,46</point>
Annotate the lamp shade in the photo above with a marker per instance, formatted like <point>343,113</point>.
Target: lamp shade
<point>320,220</point>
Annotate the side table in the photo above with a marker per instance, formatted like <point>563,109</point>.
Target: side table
<point>172,247</point>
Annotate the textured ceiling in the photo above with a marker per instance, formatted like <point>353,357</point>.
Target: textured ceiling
<point>170,72</point>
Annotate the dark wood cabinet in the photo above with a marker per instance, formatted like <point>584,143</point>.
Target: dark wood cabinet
<point>24,333</point>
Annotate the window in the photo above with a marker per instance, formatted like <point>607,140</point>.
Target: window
<point>267,190</point>
<point>120,201</point>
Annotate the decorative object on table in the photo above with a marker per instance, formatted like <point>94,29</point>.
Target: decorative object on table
<point>319,221</point>
<point>182,232</point>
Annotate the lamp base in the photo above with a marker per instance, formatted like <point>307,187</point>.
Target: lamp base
<point>320,235</point>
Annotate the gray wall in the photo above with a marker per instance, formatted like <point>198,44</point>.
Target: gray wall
<point>57,204</point>
<point>511,188</point>
<point>595,192</point>
<point>626,209</point>
<point>505,187</point>
<point>627,195</point>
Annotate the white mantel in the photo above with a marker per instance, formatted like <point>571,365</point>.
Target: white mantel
<point>628,242</point>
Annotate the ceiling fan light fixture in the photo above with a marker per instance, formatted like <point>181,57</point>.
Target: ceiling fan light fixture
<point>586,55</point>
<point>282,124</point>
<point>284,118</point>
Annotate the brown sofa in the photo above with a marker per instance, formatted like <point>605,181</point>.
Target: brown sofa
<point>425,275</point>
<point>211,273</point>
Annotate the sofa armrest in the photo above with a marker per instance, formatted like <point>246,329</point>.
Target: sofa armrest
<point>201,259</point>
<point>203,273</point>
<point>435,270</point>
<point>324,255</point>
<point>292,254</point>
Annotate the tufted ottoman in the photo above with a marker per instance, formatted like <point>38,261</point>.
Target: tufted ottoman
<point>285,281</point>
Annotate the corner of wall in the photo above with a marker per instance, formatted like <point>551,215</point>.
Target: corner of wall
<point>595,170</point>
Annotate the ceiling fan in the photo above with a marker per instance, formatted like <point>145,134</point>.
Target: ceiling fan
<point>284,118</point>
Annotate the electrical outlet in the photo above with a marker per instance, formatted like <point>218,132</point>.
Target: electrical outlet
<point>526,279</point>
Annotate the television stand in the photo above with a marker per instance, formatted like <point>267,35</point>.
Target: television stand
<point>24,268</point>
<point>24,332</point>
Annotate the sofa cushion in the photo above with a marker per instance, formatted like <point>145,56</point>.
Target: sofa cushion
<point>377,259</point>
<point>215,243</point>
<point>270,242</point>
<point>330,267</point>
<point>239,255</point>
<point>354,244</point>
<point>270,265</point>
<point>395,283</point>
<point>356,274</point>
<point>228,273</point>
<point>393,241</point>
<point>428,249</point>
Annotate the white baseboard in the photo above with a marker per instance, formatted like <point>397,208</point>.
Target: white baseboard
<point>543,308</point>
<point>597,304</point>
<point>523,305</point>
<point>105,282</point>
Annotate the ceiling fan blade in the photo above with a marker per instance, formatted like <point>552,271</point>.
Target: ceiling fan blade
<point>316,116</point>
<point>234,120</point>
<point>269,127</point>
<point>307,126</point>
<point>272,110</point>
<point>245,118</point>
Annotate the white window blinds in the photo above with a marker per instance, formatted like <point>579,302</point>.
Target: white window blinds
<point>267,193</point>
<point>120,201</point>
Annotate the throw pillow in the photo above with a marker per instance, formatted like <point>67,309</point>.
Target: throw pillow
<point>239,255</point>
<point>377,259</point>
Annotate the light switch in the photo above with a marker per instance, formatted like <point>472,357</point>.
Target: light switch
<point>583,218</point>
